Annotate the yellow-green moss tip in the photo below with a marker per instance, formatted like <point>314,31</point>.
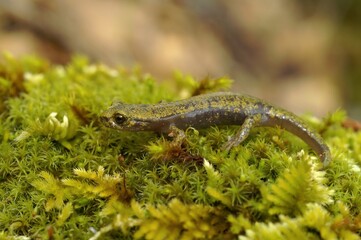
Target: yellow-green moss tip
<point>63,175</point>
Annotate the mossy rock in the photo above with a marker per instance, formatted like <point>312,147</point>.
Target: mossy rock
<point>65,176</point>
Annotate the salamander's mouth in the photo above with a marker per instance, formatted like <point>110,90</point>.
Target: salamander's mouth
<point>112,124</point>
<point>104,120</point>
<point>108,122</point>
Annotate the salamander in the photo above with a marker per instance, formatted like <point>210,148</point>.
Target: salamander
<point>222,108</point>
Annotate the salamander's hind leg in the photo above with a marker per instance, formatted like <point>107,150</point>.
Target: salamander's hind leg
<point>241,134</point>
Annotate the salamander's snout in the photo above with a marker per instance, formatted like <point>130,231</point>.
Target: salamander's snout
<point>108,121</point>
<point>104,119</point>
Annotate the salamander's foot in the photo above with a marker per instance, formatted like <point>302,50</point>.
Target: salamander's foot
<point>233,142</point>
<point>228,145</point>
<point>177,134</point>
<point>241,134</point>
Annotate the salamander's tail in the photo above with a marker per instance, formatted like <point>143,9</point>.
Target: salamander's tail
<point>295,125</point>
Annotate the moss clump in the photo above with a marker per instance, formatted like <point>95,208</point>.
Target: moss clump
<point>63,175</point>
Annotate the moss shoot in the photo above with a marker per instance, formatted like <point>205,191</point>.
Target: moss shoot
<point>65,176</point>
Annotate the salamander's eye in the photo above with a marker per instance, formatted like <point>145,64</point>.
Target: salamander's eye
<point>119,118</point>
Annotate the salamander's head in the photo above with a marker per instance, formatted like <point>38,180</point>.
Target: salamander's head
<point>128,117</point>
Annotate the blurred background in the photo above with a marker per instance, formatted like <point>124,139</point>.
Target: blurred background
<point>303,55</point>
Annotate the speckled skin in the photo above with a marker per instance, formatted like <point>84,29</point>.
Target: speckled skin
<point>212,109</point>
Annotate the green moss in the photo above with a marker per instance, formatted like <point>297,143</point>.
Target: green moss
<point>64,175</point>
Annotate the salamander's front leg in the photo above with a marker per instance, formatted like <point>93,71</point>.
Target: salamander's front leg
<point>241,134</point>
<point>177,134</point>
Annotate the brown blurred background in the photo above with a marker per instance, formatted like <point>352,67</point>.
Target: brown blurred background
<point>304,55</point>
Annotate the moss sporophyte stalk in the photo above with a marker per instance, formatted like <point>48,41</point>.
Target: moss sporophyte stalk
<point>64,175</point>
